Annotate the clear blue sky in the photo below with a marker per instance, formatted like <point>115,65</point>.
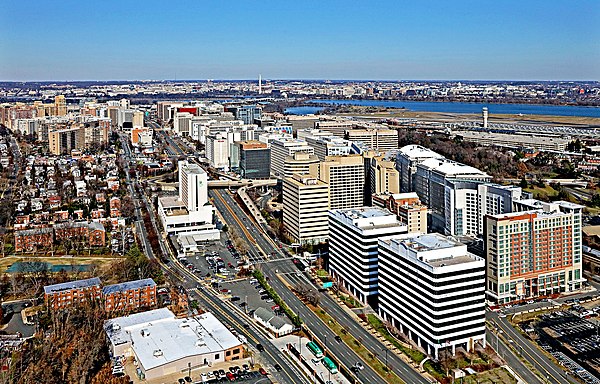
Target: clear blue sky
<point>352,39</point>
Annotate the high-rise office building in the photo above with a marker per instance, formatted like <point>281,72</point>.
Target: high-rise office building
<point>432,181</point>
<point>534,251</point>
<point>254,159</point>
<point>406,163</point>
<point>346,178</point>
<point>246,113</point>
<point>62,141</point>
<point>305,208</point>
<point>282,148</point>
<point>433,291</point>
<point>182,123</point>
<point>217,150</point>
<point>301,163</point>
<point>353,236</point>
<point>190,212</point>
<point>377,139</point>
<point>193,184</point>
<point>383,176</point>
<point>329,146</point>
<point>60,105</point>
<point>407,207</point>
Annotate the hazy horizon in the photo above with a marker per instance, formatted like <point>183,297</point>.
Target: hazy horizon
<point>314,40</point>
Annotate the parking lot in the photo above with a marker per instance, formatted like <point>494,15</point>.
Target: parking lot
<point>217,260</point>
<point>572,337</point>
<point>248,294</point>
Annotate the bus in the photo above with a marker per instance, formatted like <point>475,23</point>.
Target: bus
<point>330,365</point>
<point>314,348</point>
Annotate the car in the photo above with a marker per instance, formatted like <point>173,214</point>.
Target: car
<point>359,366</point>
<point>530,301</point>
<point>181,381</point>
<point>230,376</point>
<point>262,371</point>
<point>316,360</point>
<point>210,375</point>
<point>265,297</point>
<point>189,379</point>
<point>269,300</point>
<point>338,339</point>
<point>277,367</point>
<point>245,325</point>
<point>235,298</point>
<point>226,290</point>
<point>260,347</point>
<point>245,367</point>
<point>232,369</point>
<point>216,373</point>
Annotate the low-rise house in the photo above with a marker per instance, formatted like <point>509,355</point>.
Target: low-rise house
<point>278,326</point>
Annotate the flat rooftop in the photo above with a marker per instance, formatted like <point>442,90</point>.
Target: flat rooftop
<point>363,213</point>
<point>427,242</point>
<point>158,338</point>
<point>433,249</point>
<point>367,218</point>
<point>193,168</point>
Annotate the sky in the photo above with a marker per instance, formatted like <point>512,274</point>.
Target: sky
<point>377,40</point>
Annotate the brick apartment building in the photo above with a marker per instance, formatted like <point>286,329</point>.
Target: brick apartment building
<point>69,294</point>
<point>129,295</point>
<point>30,240</point>
<point>91,234</point>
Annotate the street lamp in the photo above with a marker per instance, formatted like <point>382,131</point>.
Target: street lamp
<point>386,358</point>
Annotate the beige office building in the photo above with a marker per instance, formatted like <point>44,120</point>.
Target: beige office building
<point>301,163</point>
<point>346,178</point>
<point>305,208</point>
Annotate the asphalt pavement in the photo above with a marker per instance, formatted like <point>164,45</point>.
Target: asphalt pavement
<point>529,352</point>
<point>224,203</point>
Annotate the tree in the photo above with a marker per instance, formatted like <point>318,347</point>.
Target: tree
<point>523,184</point>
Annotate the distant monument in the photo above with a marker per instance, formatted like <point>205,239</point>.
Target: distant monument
<point>484,113</point>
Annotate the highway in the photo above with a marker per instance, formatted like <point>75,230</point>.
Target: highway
<point>534,356</point>
<point>511,359</point>
<point>208,300</point>
<point>280,263</point>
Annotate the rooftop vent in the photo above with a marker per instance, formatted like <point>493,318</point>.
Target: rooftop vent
<point>157,353</point>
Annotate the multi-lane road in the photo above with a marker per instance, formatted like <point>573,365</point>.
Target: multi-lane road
<point>208,299</point>
<point>281,264</point>
<point>551,372</point>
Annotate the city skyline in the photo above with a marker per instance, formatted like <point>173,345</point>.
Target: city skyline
<point>74,41</point>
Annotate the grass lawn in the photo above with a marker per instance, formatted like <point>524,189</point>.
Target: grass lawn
<point>496,375</point>
<point>541,193</point>
<point>416,356</point>
<point>5,262</point>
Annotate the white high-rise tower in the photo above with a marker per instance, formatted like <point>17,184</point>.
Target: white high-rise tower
<point>484,113</point>
<point>259,84</point>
